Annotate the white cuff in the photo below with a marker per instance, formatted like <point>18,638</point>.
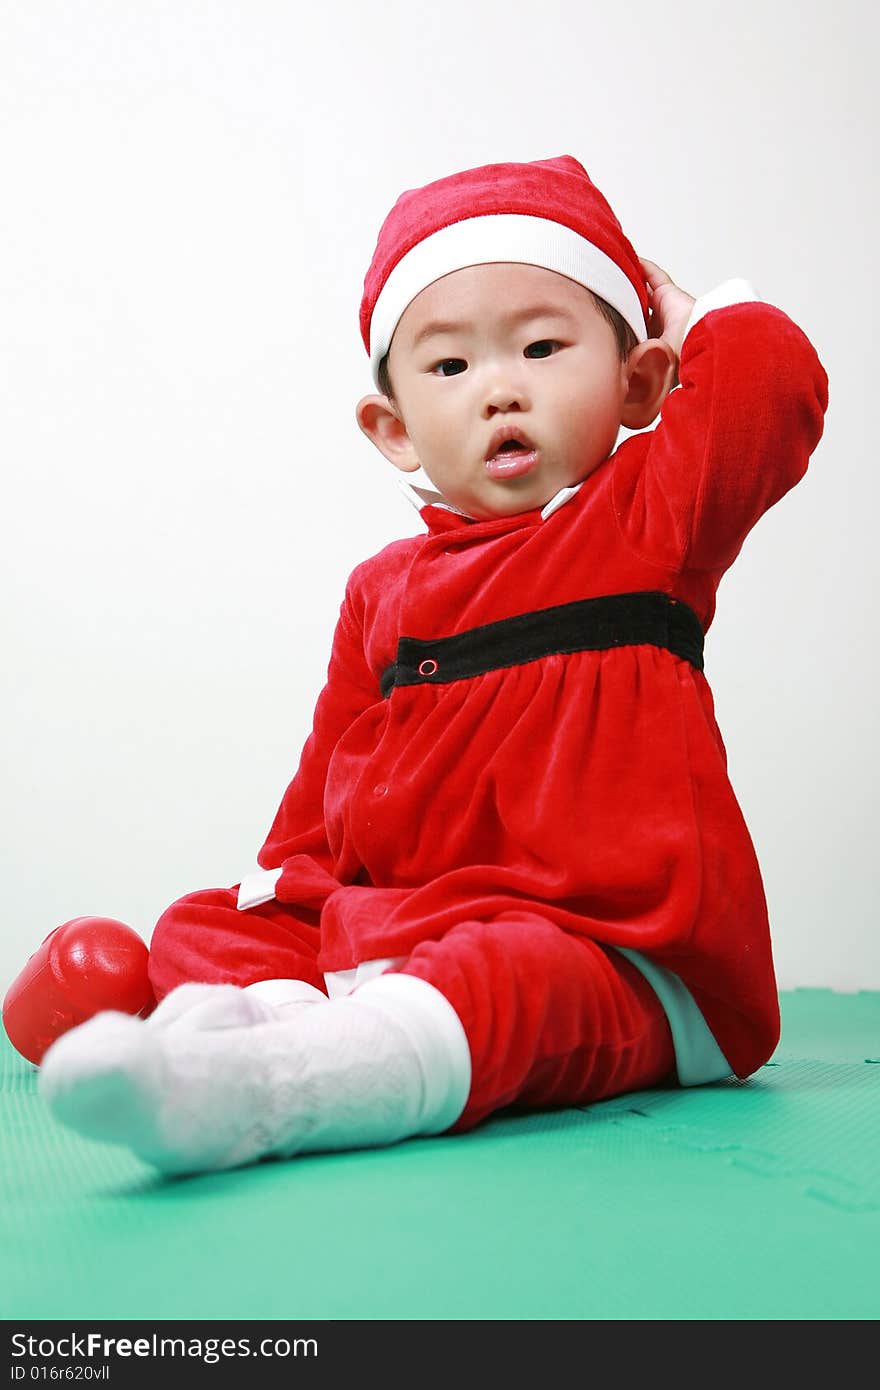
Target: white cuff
<point>257,888</point>
<point>341,982</point>
<point>438,1039</point>
<point>730,292</point>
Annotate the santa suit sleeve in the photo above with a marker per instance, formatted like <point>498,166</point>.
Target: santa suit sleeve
<point>296,848</point>
<point>733,437</point>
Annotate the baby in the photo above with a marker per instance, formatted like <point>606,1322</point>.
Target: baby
<point>510,870</point>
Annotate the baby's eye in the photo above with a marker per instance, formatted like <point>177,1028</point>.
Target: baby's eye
<point>545,346</point>
<point>455,362</point>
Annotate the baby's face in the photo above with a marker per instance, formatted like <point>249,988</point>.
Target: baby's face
<point>524,348</point>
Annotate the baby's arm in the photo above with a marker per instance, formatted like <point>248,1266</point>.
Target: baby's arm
<point>734,437</point>
<point>296,858</point>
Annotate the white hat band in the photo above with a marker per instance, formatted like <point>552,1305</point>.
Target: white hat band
<point>500,237</point>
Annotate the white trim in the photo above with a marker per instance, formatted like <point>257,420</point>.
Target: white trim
<point>499,237</point>
<point>341,982</point>
<point>564,495</point>
<point>256,888</point>
<point>426,497</point>
<point>737,291</point>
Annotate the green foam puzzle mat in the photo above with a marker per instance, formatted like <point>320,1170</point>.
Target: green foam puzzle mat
<point>743,1200</point>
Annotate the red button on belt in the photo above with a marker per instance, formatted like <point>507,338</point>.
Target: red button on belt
<point>427,667</point>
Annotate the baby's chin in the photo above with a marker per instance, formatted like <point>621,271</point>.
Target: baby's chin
<point>513,497</point>
<point>510,505</point>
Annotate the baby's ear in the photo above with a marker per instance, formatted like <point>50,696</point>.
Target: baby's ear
<point>382,423</point>
<point>651,372</point>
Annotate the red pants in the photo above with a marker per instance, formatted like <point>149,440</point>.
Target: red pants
<point>552,1019</point>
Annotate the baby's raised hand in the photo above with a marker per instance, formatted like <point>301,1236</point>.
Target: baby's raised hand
<point>670,307</point>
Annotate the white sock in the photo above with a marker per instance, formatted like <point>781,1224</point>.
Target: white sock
<point>196,1006</point>
<point>228,1006</point>
<point>212,1080</point>
<point>286,997</point>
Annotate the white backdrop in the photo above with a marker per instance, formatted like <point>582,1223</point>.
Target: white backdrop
<point>190,197</point>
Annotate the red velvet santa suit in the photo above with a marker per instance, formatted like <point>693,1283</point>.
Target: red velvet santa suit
<point>506,836</point>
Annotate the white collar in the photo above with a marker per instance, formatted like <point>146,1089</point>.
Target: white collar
<point>426,497</point>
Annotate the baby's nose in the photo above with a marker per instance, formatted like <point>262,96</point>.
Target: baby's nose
<point>505,395</point>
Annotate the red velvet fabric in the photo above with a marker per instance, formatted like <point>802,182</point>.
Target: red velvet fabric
<point>585,795</point>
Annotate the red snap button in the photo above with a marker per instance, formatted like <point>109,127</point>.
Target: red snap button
<point>380,789</point>
<point>427,667</point>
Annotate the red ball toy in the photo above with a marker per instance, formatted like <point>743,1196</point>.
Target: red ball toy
<point>82,967</point>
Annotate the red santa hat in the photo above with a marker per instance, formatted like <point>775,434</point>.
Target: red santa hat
<point>547,213</point>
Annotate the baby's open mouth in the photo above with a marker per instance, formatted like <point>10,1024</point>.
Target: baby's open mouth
<point>507,440</point>
<point>512,458</point>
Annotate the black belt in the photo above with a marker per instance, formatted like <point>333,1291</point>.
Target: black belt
<point>590,624</point>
